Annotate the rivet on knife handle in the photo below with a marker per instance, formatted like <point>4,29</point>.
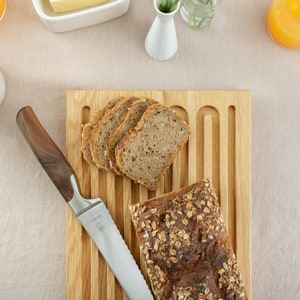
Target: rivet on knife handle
<point>49,155</point>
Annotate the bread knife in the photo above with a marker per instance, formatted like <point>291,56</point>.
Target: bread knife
<point>92,213</point>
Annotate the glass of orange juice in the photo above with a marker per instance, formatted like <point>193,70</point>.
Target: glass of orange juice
<point>284,22</point>
<point>2,8</point>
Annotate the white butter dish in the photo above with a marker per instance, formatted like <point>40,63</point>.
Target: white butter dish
<point>61,22</point>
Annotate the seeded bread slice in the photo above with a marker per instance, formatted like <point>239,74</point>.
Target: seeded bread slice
<point>100,133</point>
<point>185,247</point>
<point>131,119</point>
<point>147,150</point>
<point>87,128</point>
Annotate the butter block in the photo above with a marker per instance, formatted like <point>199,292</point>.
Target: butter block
<point>69,5</point>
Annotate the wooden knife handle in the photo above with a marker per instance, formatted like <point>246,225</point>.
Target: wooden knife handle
<point>47,152</point>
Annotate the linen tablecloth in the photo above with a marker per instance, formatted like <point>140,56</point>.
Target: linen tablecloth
<point>235,52</point>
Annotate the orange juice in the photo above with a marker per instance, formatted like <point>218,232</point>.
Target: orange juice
<point>284,22</point>
<point>2,8</point>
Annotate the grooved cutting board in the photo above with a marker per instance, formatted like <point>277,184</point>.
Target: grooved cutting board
<point>219,148</point>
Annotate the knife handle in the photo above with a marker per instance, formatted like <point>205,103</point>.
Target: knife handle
<point>47,152</point>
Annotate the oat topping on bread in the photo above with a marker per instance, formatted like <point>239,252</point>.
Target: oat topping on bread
<point>185,246</point>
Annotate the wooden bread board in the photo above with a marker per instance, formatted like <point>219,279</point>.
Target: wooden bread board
<point>219,149</point>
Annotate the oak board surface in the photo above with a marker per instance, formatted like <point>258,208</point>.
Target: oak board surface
<point>219,149</point>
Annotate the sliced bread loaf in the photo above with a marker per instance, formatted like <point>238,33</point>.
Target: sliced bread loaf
<point>131,119</point>
<point>100,133</point>
<point>147,150</point>
<point>87,129</point>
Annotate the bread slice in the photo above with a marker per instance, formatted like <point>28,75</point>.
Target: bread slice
<point>185,246</point>
<point>87,129</point>
<point>147,150</point>
<point>100,133</point>
<point>131,119</point>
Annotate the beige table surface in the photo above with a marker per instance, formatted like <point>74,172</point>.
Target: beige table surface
<point>235,52</point>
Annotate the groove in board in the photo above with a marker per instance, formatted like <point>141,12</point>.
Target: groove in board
<point>219,148</point>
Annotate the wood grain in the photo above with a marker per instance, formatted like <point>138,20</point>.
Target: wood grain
<point>46,151</point>
<point>219,148</point>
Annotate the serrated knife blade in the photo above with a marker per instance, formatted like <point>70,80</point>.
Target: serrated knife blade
<point>92,213</point>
